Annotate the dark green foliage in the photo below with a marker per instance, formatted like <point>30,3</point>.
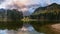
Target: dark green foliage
<point>11,25</point>
<point>2,14</point>
<point>14,14</point>
<point>10,15</point>
<point>51,12</point>
<point>48,15</point>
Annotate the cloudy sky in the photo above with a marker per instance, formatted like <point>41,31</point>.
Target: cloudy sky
<point>6,3</point>
<point>17,4</point>
<point>12,4</point>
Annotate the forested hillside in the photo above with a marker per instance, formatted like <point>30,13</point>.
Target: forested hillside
<point>51,12</point>
<point>10,15</point>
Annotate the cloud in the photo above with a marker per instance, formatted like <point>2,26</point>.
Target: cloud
<point>18,4</point>
<point>1,1</point>
<point>52,1</point>
<point>56,1</point>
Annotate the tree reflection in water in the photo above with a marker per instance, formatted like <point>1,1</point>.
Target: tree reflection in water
<point>26,29</point>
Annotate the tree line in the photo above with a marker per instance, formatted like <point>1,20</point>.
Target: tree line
<point>10,14</point>
<point>48,16</point>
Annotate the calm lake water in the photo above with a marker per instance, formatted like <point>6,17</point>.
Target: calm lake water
<point>26,29</point>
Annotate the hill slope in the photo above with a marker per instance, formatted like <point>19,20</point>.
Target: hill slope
<point>51,12</point>
<point>51,8</point>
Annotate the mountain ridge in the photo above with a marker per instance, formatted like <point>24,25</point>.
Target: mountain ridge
<point>48,8</point>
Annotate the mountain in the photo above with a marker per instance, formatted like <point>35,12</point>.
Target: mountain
<point>49,12</point>
<point>54,7</point>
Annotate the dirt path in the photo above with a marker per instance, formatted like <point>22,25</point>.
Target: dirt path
<point>56,28</point>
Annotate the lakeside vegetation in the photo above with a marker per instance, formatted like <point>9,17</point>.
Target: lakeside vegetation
<point>41,17</point>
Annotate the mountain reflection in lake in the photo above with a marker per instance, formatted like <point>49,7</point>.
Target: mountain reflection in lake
<point>26,29</point>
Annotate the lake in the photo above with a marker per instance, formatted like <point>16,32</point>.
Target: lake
<point>26,29</point>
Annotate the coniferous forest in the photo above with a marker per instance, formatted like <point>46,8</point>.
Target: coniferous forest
<point>42,16</point>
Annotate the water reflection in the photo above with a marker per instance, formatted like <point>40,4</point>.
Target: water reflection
<point>3,31</point>
<point>7,31</point>
<point>26,29</point>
